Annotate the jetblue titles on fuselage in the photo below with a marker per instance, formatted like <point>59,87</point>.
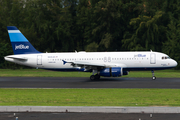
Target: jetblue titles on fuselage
<point>139,55</point>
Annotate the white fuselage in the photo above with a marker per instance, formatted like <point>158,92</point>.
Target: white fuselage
<point>127,60</point>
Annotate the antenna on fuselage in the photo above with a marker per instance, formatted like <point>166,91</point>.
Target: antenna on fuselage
<point>151,50</point>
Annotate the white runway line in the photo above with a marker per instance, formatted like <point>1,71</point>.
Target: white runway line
<point>90,109</point>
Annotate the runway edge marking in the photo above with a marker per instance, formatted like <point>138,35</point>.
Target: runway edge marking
<point>90,109</point>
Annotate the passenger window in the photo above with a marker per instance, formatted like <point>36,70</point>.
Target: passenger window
<point>162,57</point>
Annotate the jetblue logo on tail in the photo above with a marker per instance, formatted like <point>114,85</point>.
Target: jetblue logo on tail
<point>19,42</point>
<point>21,46</point>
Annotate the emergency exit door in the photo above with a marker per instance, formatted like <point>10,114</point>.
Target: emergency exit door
<point>153,59</point>
<point>39,60</point>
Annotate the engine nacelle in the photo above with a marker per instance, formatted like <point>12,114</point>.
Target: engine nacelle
<point>114,72</point>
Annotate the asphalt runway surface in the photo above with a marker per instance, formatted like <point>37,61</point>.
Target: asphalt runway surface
<point>59,82</point>
<point>87,116</point>
<point>81,82</point>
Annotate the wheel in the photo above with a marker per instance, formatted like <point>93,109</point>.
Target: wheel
<point>97,76</point>
<point>153,77</point>
<point>92,77</point>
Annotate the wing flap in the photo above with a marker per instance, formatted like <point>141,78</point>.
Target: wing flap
<point>88,64</point>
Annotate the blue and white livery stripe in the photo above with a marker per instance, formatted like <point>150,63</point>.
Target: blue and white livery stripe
<point>14,31</point>
<point>17,37</point>
<point>12,28</point>
<point>19,42</point>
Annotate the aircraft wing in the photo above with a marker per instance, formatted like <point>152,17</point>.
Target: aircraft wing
<point>92,64</point>
<point>81,63</point>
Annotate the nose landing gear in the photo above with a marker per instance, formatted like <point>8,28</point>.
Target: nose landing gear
<point>153,77</point>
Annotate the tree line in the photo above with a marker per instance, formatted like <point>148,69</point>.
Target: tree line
<point>92,25</point>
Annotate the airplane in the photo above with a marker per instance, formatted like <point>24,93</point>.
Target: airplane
<point>107,64</point>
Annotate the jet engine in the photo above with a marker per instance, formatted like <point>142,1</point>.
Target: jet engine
<point>113,72</point>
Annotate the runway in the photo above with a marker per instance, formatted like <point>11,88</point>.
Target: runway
<point>87,116</point>
<point>60,82</point>
<point>80,82</point>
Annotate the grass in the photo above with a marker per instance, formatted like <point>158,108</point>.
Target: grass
<point>90,97</point>
<point>40,73</point>
<point>87,97</point>
<point>47,73</point>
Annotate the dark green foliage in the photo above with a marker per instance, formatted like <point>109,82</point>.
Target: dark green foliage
<point>149,33</point>
<point>93,25</point>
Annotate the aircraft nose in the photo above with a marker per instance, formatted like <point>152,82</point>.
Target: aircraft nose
<point>174,63</point>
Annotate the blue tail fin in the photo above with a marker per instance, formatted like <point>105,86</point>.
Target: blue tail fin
<point>19,43</point>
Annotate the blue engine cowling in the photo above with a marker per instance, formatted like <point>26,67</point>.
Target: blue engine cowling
<point>114,72</point>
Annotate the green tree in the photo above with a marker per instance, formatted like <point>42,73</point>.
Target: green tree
<point>172,45</point>
<point>149,33</point>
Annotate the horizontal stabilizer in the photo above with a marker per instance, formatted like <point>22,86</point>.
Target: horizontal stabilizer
<point>16,58</point>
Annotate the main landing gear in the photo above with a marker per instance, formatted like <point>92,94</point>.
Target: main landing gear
<point>153,77</point>
<point>95,77</point>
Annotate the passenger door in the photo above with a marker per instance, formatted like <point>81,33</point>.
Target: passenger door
<point>153,58</point>
<point>39,60</point>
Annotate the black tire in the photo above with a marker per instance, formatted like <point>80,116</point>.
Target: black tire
<point>97,76</point>
<point>153,78</point>
<point>92,77</point>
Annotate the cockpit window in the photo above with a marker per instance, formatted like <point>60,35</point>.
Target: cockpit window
<point>166,57</point>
